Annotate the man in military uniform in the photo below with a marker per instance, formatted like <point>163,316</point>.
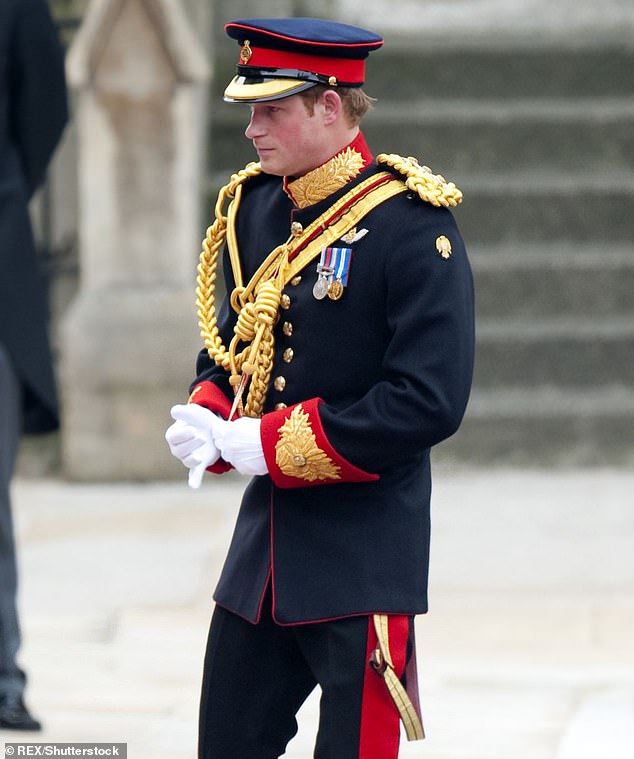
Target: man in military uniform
<point>342,354</point>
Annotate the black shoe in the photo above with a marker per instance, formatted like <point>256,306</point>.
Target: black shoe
<point>15,716</point>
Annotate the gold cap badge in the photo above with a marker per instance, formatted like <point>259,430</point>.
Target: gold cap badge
<point>245,52</point>
<point>443,246</point>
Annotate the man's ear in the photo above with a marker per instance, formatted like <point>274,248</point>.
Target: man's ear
<point>332,107</point>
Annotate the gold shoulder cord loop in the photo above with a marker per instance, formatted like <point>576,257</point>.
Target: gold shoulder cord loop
<point>256,311</point>
<point>432,188</point>
<point>222,227</point>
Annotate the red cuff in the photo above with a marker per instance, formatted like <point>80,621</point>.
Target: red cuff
<point>298,453</point>
<point>211,397</point>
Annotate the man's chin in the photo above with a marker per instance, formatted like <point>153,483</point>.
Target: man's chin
<point>269,166</point>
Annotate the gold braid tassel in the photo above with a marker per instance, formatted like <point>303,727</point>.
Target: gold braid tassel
<point>258,331</point>
<point>432,188</point>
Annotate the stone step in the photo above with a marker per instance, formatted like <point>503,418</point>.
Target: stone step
<point>545,427</point>
<point>540,206</point>
<point>466,136</point>
<point>496,68</point>
<point>565,352</point>
<point>500,69</point>
<point>517,281</point>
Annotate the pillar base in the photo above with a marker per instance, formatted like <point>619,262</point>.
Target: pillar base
<point>129,356</point>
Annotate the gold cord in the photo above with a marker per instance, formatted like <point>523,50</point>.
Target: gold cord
<point>432,188</point>
<point>256,313</point>
<point>208,266</point>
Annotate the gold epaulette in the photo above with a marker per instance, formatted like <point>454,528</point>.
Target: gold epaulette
<point>432,188</point>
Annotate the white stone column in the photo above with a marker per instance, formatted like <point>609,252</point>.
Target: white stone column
<point>130,338</point>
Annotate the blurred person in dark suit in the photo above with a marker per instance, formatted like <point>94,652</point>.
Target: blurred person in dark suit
<point>33,112</point>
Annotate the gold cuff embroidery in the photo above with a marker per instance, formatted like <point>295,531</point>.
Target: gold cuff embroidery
<point>326,179</point>
<point>297,453</point>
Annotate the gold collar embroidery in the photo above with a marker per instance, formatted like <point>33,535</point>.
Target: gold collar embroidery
<point>321,182</point>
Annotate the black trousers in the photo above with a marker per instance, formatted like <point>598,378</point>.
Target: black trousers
<point>12,679</point>
<point>256,677</point>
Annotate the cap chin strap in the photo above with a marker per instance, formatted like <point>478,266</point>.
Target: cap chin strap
<point>263,72</point>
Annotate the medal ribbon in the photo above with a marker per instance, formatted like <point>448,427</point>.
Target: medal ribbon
<point>342,264</point>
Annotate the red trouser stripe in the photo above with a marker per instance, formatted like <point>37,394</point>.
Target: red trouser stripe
<point>380,725</point>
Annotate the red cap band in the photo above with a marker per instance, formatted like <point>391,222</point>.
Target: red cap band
<point>346,70</point>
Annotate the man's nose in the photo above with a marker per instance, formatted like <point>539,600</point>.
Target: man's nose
<point>254,128</point>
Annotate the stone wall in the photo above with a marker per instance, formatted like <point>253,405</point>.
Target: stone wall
<point>532,20</point>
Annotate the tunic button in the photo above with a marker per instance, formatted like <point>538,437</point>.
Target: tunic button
<point>299,460</point>
<point>287,329</point>
<point>280,406</point>
<point>285,301</point>
<point>288,355</point>
<point>279,384</point>
<point>296,280</point>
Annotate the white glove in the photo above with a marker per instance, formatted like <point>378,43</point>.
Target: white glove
<point>240,444</point>
<point>190,439</point>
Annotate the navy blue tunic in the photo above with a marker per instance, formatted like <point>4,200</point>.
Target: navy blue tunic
<point>392,363</point>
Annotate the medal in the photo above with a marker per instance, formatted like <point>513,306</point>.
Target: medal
<point>320,288</point>
<point>332,273</point>
<point>325,272</point>
<point>335,289</point>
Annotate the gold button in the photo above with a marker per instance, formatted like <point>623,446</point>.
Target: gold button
<point>280,406</point>
<point>287,329</point>
<point>299,460</point>
<point>288,355</point>
<point>285,301</point>
<point>296,229</point>
<point>296,280</point>
<point>279,384</point>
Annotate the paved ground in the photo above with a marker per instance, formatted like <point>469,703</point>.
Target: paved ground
<point>528,652</point>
